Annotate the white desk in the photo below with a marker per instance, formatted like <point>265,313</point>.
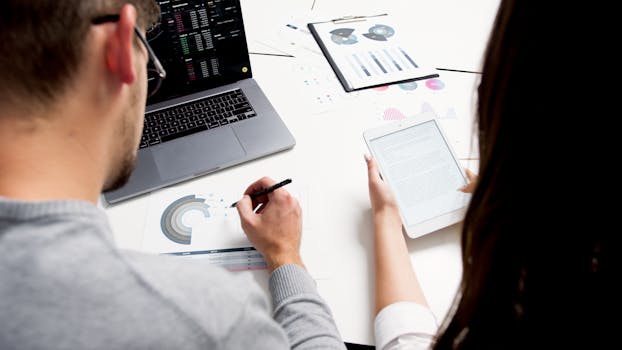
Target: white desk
<point>328,161</point>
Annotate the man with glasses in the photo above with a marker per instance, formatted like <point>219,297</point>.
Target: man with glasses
<point>73,87</point>
<point>158,71</point>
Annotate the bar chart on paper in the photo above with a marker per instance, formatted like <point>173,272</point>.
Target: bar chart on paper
<point>380,62</point>
<point>370,51</point>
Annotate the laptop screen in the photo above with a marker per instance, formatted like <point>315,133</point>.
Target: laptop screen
<point>201,44</point>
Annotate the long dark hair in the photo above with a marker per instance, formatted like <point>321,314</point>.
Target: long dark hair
<point>526,269</point>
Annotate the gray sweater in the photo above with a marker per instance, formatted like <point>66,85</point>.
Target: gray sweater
<point>64,285</point>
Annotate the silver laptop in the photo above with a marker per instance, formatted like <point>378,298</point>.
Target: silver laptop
<point>208,114</point>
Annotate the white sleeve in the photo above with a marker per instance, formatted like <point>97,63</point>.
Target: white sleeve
<point>404,325</point>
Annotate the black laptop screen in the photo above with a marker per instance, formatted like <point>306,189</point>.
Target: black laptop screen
<point>201,44</point>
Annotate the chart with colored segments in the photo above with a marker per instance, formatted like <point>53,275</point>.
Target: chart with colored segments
<point>370,52</point>
<point>172,224</point>
<point>191,225</point>
<point>181,222</point>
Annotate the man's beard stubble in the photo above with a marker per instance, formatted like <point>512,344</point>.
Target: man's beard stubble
<point>123,173</point>
<point>127,162</point>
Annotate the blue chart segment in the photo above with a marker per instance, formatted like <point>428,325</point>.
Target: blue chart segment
<point>343,36</point>
<point>380,32</point>
<point>381,29</point>
<point>409,86</point>
<point>234,259</point>
<point>172,219</point>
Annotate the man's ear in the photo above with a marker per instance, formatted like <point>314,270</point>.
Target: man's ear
<point>120,51</point>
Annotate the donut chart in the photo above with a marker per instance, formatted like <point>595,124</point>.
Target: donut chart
<point>343,36</point>
<point>409,86</point>
<point>380,32</point>
<point>435,84</point>
<point>172,219</point>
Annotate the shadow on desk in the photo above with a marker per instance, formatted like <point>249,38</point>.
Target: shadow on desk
<point>351,346</point>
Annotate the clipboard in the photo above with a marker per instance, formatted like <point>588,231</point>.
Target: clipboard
<point>369,51</point>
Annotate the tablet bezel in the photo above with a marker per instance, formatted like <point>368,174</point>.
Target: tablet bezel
<point>438,222</point>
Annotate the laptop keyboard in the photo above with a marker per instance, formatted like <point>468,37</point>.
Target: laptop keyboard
<point>189,118</point>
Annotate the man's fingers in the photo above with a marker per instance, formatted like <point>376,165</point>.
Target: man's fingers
<point>259,185</point>
<point>245,209</point>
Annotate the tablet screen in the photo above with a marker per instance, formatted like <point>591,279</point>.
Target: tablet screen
<point>419,167</point>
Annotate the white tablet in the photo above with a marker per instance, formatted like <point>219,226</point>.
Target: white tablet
<point>419,165</point>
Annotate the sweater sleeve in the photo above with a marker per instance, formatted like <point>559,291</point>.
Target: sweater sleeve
<point>254,328</point>
<point>300,310</point>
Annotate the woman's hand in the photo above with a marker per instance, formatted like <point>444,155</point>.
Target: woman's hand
<point>470,187</point>
<point>382,200</point>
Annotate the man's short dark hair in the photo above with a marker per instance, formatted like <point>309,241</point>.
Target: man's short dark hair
<point>42,43</point>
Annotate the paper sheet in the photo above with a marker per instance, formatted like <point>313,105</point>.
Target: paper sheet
<point>202,225</point>
<point>371,50</point>
<point>181,221</point>
<point>450,97</point>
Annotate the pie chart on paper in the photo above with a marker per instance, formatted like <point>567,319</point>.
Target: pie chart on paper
<point>172,224</point>
<point>435,84</point>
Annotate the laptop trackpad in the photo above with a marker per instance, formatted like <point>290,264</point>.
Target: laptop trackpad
<point>197,154</point>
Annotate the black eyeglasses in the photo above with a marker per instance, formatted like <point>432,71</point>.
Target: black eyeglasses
<point>156,73</point>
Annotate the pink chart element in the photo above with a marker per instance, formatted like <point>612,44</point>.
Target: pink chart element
<point>393,114</point>
<point>435,84</point>
<point>180,23</point>
<point>382,88</point>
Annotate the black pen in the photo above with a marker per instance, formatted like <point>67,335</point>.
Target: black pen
<point>265,191</point>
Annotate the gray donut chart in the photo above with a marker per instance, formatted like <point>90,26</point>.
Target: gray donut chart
<point>343,36</point>
<point>171,223</point>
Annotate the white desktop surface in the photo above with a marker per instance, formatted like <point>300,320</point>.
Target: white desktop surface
<point>328,160</point>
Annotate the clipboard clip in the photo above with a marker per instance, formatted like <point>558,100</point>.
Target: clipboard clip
<point>347,19</point>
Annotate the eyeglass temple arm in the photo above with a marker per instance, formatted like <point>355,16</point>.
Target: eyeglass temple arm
<point>156,62</point>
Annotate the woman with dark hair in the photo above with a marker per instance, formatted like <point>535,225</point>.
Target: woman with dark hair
<point>532,261</point>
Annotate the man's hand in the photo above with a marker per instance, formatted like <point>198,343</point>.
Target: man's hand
<point>275,228</point>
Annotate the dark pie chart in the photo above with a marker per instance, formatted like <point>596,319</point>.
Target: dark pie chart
<point>380,32</point>
<point>343,36</point>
